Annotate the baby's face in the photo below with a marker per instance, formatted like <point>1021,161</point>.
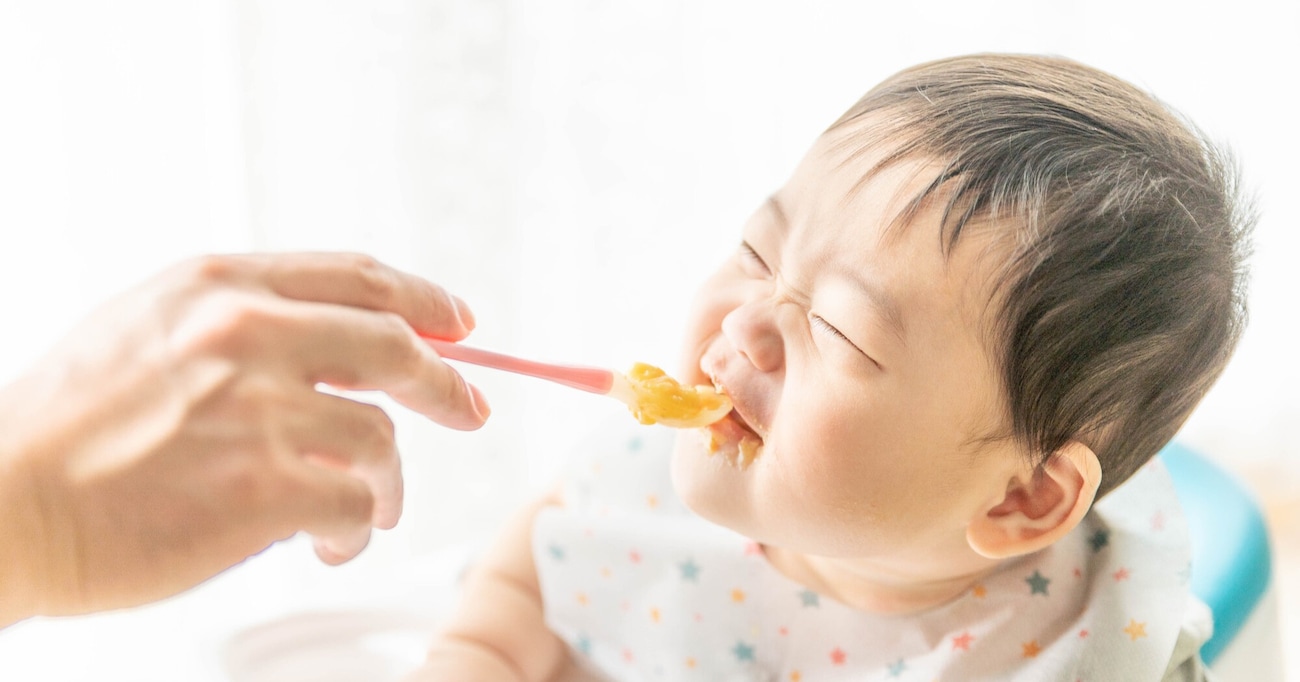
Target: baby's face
<point>859,356</point>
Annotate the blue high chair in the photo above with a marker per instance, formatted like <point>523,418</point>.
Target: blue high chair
<point>1231,567</point>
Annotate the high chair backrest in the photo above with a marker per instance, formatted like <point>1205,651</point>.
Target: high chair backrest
<point>1231,557</point>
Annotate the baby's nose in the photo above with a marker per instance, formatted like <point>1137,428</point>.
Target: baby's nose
<point>752,330</point>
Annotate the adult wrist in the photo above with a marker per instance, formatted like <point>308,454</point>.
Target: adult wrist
<point>21,531</point>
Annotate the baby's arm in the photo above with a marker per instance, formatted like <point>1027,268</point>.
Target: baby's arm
<point>497,632</point>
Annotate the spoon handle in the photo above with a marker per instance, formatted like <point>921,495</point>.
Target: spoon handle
<point>590,379</point>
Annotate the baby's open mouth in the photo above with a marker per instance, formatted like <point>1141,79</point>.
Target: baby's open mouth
<point>735,439</point>
<point>735,416</point>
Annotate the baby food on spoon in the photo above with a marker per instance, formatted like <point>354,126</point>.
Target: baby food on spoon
<point>657,398</point>
<point>653,397</point>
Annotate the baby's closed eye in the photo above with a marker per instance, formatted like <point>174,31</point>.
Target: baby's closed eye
<point>754,261</point>
<point>821,325</point>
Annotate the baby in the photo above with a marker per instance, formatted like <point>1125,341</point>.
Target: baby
<point>989,294</point>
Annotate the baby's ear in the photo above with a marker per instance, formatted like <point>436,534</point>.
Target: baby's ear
<point>1040,506</point>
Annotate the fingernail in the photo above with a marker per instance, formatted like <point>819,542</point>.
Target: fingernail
<point>464,314</point>
<point>481,407</point>
<point>327,553</point>
<point>343,549</point>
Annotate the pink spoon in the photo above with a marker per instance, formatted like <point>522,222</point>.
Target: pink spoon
<point>590,379</point>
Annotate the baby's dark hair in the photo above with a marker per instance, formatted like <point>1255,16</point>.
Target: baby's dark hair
<point>1124,294</point>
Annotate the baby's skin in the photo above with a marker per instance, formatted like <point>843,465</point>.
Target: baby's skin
<point>857,352</point>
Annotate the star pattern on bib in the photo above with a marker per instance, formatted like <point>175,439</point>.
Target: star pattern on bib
<point>1038,583</point>
<point>733,582</point>
<point>1135,630</point>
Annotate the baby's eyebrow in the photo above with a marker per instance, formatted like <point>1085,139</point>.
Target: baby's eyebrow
<point>883,300</point>
<point>774,205</point>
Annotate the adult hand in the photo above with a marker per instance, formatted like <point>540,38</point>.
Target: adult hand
<point>179,429</point>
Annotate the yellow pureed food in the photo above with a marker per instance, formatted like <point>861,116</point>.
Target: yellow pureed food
<point>746,446</point>
<point>660,399</point>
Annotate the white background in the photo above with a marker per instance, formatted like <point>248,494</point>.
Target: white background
<point>571,168</point>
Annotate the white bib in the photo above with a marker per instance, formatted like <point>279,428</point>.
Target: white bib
<point>642,589</point>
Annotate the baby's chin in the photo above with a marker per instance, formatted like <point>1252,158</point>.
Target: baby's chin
<point>712,475</point>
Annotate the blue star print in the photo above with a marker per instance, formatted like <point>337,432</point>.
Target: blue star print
<point>809,599</point>
<point>583,644</point>
<point>743,652</point>
<point>634,445</point>
<point>1099,540</point>
<point>690,571</point>
<point>557,552</point>
<point>1037,583</point>
<point>897,668</point>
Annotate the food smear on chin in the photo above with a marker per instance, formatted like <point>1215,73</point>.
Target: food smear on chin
<point>660,399</point>
<point>748,450</point>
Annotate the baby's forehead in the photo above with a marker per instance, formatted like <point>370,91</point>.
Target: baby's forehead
<point>851,169</point>
<point>857,205</point>
<point>871,188</point>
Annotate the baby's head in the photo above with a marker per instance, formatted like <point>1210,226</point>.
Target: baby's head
<point>991,291</point>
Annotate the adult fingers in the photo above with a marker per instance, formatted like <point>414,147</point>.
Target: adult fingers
<point>359,349</point>
<point>333,506</point>
<point>356,437</point>
<point>361,281</point>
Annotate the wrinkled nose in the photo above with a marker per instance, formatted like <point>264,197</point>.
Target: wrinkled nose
<point>752,330</point>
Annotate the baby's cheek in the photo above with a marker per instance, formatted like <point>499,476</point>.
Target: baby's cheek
<point>854,460</point>
<point>822,474</point>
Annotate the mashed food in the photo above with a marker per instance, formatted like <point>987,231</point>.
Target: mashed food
<point>661,399</point>
<point>739,445</point>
